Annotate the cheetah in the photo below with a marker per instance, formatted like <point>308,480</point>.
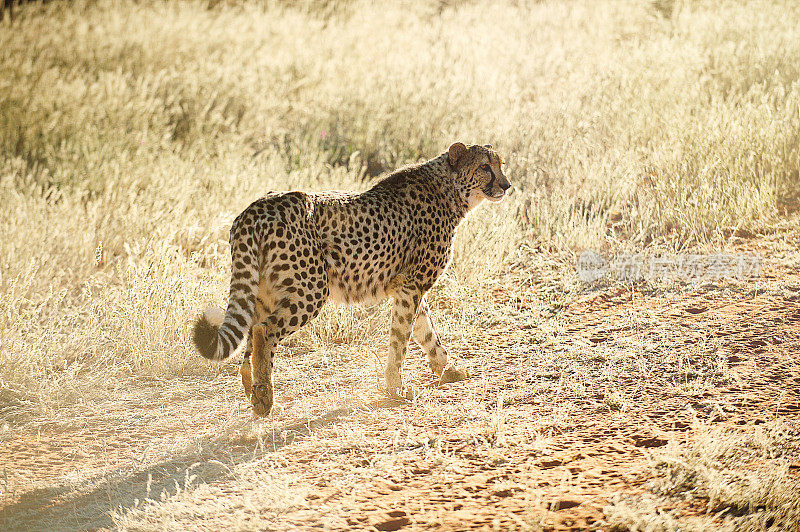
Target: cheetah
<point>292,251</point>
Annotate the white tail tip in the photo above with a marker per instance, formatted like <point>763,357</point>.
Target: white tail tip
<point>214,316</point>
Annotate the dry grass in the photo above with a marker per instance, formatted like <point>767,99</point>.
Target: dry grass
<point>131,133</point>
<point>742,474</point>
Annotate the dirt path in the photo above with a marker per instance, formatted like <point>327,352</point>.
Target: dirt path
<point>560,417</point>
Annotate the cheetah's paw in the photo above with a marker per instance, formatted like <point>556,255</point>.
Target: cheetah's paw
<point>261,399</point>
<point>452,374</point>
<point>406,393</point>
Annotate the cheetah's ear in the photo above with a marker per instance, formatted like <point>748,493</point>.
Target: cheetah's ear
<point>456,151</point>
<point>488,146</point>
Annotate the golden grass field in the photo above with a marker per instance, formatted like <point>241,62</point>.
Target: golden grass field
<point>131,134</point>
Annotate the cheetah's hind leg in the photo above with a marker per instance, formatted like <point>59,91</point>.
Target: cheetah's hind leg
<point>261,395</point>
<point>247,375</point>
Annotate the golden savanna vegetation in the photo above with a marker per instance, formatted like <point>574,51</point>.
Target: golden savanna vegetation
<point>131,134</point>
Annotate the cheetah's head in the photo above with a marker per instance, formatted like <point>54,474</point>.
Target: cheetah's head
<point>479,171</point>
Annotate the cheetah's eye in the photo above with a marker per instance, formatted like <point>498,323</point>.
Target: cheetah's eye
<point>486,168</point>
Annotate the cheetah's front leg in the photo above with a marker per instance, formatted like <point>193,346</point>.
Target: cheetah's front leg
<point>425,335</point>
<point>403,311</point>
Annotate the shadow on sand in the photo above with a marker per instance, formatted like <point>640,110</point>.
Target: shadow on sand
<point>88,505</point>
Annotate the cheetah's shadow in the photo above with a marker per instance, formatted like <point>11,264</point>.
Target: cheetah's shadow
<point>211,458</point>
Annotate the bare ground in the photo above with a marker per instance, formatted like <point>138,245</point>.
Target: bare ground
<point>569,402</point>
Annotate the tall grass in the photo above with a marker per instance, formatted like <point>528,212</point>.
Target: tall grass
<point>132,132</point>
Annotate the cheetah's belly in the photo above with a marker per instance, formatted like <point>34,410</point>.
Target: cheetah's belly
<point>345,286</point>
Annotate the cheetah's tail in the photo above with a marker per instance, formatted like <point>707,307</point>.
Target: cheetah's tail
<point>206,332</point>
<point>216,335</point>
